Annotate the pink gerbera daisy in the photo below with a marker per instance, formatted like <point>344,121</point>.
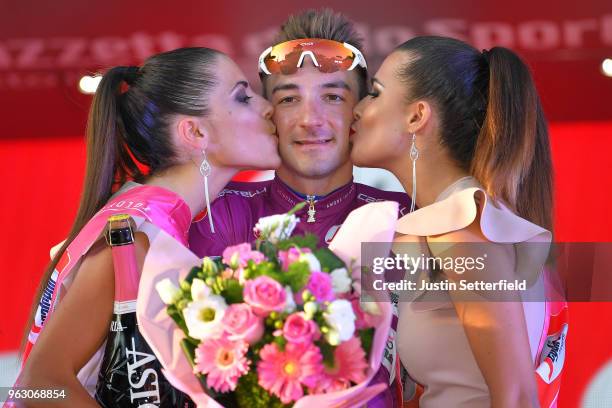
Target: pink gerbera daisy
<point>223,361</point>
<point>283,373</point>
<point>350,365</point>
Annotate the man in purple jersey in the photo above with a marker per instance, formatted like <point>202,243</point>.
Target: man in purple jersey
<point>313,92</point>
<point>314,75</point>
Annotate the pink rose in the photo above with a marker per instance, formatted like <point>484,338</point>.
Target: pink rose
<point>290,256</point>
<point>238,256</point>
<point>320,285</point>
<point>298,329</point>
<point>242,324</point>
<point>265,295</point>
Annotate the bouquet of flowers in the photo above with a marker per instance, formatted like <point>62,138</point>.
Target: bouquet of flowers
<point>273,321</point>
<point>270,322</point>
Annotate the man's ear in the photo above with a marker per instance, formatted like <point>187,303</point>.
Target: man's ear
<point>192,133</point>
<point>418,114</point>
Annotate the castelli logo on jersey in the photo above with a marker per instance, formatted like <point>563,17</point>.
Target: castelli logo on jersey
<point>241,193</point>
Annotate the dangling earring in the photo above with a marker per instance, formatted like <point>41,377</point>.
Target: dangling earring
<point>205,171</point>
<point>414,155</point>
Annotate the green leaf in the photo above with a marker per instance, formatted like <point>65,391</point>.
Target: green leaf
<point>327,351</point>
<point>232,291</point>
<point>266,268</point>
<point>301,241</point>
<point>367,337</point>
<point>297,276</point>
<point>177,316</point>
<point>189,349</point>
<point>250,394</point>
<point>193,273</point>
<point>329,261</point>
<point>269,250</point>
<point>281,342</point>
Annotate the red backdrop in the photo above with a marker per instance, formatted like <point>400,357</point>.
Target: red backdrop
<point>46,46</point>
<point>42,182</point>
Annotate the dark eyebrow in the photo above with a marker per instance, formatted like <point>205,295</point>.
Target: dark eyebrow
<point>284,87</point>
<point>336,84</point>
<point>375,80</point>
<point>239,83</point>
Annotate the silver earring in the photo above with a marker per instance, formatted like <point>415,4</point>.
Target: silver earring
<point>414,155</point>
<point>205,170</point>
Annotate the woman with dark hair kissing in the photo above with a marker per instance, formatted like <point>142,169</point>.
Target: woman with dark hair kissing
<point>465,134</point>
<point>190,118</point>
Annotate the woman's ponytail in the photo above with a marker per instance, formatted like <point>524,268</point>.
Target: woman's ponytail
<point>512,154</point>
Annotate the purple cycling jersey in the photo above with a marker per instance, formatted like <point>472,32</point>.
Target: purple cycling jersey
<point>240,205</point>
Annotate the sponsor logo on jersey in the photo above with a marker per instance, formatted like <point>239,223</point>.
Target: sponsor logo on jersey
<point>45,301</point>
<point>368,199</point>
<point>331,233</point>
<point>242,193</point>
<point>364,197</point>
<point>45,305</point>
<point>553,356</point>
<point>390,355</point>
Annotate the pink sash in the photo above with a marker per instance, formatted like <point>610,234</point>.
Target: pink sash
<point>156,205</point>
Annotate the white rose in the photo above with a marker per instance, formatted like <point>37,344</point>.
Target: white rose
<point>341,282</point>
<point>313,262</point>
<point>276,227</point>
<point>341,320</point>
<point>199,290</point>
<point>203,317</point>
<point>289,301</point>
<point>168,291</point>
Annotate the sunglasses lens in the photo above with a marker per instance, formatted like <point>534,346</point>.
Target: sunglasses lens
<point>281,57</point>
<point>331,56</point>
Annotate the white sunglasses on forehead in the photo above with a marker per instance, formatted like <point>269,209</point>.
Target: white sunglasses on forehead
<point>335,55</point>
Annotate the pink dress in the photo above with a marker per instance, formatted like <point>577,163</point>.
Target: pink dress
<point>432,344</point>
